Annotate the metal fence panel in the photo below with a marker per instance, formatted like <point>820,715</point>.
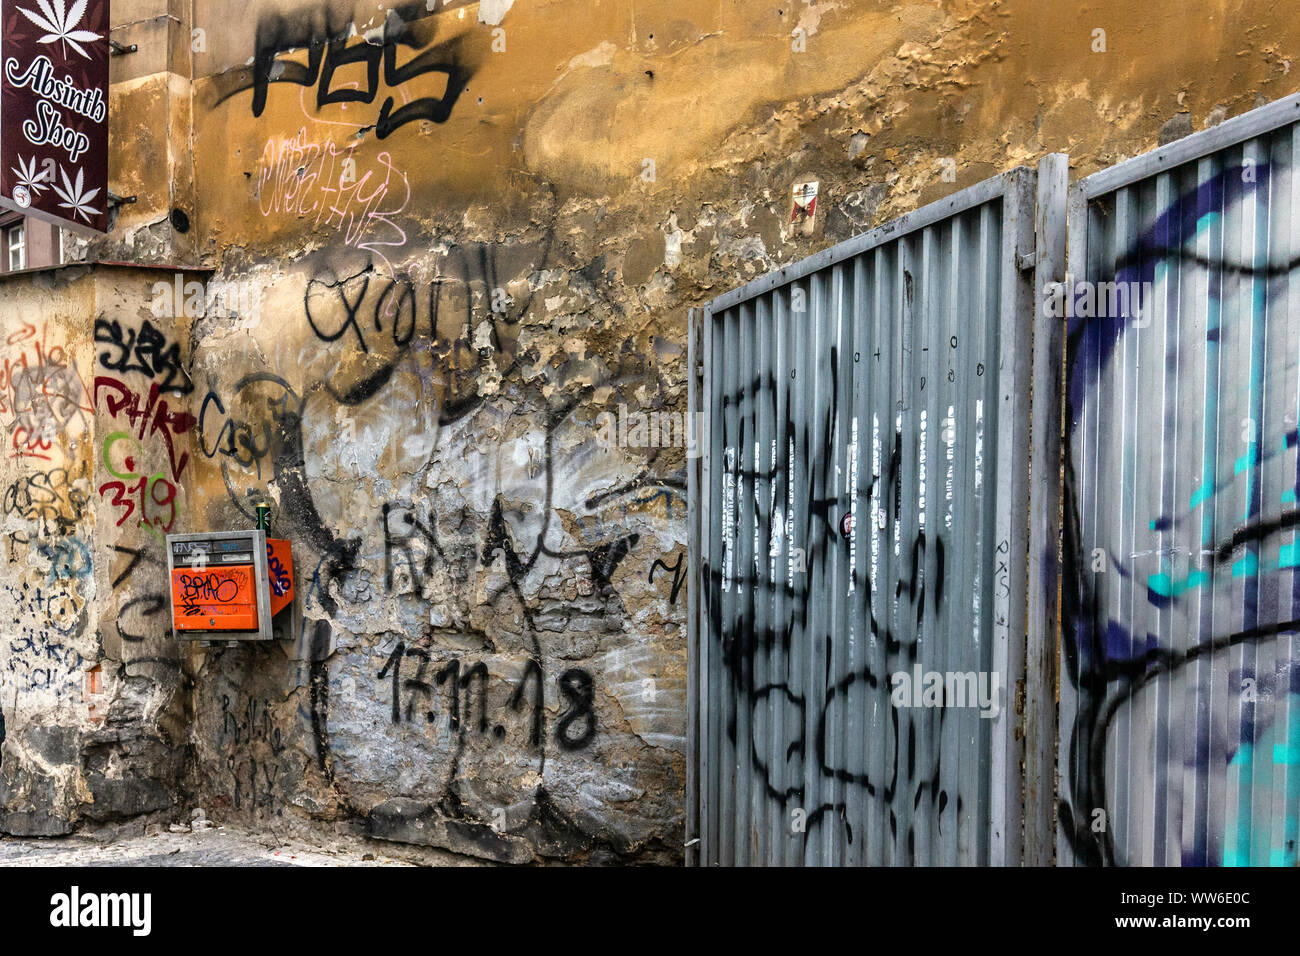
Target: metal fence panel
<point>1180,686</point>
<point>863,511</point>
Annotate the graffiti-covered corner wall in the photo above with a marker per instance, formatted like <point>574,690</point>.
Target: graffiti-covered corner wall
<point>93,473</point>
<point>420,280</point>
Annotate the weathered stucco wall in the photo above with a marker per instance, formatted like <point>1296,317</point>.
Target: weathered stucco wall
<point>48,590</point>
<point>443,245</point>
<point>94,727</point>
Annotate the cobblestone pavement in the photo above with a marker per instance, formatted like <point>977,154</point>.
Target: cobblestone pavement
<point>218,846</point>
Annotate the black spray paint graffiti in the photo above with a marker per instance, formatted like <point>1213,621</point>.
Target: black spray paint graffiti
<point>412,551</point>
<point>430,321</point>
<point>390,319</point>
<point>787,530</point>
<point>320,699</point>
<point>277,438</point>
<point>45,657</point>
<point>335,57</point>
<point>466,686</point>
<point>51,499</point>
<point>251,741</point>
<point>678,571</point>
<point>446,326</point>
<point>261,422</point>
<point>456,695</point>
<point>147,352</point>
<point>142,617</point>
<point>198,590</point>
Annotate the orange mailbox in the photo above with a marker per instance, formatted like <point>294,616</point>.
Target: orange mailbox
<point>231,585</point>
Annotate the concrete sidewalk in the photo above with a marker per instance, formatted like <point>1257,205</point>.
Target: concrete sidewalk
<point>218,846</point>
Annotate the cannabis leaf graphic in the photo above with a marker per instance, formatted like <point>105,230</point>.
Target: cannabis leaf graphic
<point>74,198</point>
<point>29,176</point>
<point>61,23</point>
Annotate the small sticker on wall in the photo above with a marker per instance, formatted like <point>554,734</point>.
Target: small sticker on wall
<point>803,211</point>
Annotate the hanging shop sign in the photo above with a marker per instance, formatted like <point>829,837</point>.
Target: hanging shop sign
<point>54,111</point>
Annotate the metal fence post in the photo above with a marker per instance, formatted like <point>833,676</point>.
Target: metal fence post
<point>1044,522</point>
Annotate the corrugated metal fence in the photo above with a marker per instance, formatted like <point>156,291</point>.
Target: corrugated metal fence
<point>1180,680</point>
<point>863,508</point>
